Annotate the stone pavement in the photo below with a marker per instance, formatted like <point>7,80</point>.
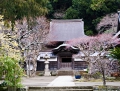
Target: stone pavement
<point>62,81</point>
<point>50,81</point>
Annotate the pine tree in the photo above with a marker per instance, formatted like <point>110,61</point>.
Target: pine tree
<point>13,10</point>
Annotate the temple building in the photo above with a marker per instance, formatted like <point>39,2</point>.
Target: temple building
<point>60,54</point>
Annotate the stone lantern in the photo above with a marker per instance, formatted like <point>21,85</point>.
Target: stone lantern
<point>47,72</point>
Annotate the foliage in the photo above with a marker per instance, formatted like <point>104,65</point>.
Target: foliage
<point>50,10</point>
<point>89,32</point>
<point>13,10</point>
<point>9,58</point>
<point>71,13</point>
<point>91,11</point>
<point>57,6</point>
<point>12,71</point>
<point>61,4</point>
<point>96,21</point>
<point>82,7</point>
<point>115,53</point>
<point>105,5</point>
<point>97,5</point>
<point>23,44</point>
<point>9,46</point>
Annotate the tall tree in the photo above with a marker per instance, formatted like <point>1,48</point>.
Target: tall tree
<point>13,10</point>
<point>30,41</point>
<point>91,11</point>
<point>23,44</point>
<point>28,10</point>
<point>105,5</point>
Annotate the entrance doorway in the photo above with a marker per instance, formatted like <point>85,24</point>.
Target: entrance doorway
<point>65,60</point>
<point>66,63</point>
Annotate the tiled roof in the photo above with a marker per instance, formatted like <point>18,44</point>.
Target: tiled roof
<point>65,30</point>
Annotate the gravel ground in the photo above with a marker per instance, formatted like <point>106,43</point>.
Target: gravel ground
<point>38,80</point>
<point>44,81</point>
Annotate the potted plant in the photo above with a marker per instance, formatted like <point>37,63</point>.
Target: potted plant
<point>77,75</point>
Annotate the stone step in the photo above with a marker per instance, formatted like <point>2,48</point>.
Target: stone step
<point>62,90</point>
<point>65,72</point>
<point>75,88</point>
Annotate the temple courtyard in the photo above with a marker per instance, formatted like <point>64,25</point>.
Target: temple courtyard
<point>61,81</point>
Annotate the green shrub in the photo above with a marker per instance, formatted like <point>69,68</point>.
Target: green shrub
<point>53,73</point>
<point>96,75</point>
<point>71,13</point>
<point>89,32</point>
<point>41,73</point>
<point>12,71</point>
<point>110,78</point>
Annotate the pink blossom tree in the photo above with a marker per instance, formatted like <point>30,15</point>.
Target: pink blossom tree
<point>95,50</point>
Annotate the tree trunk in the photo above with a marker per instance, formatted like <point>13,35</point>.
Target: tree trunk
<point>28,68</point>
<point>34,68</point>
<point>103,73</point>
<point>89,68</point>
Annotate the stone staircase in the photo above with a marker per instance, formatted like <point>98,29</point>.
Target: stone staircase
<point>75,88</point>
<point>65,72</point>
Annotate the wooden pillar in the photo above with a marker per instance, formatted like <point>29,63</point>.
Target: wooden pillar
<point>58,59</point>
<point>72,63</point>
